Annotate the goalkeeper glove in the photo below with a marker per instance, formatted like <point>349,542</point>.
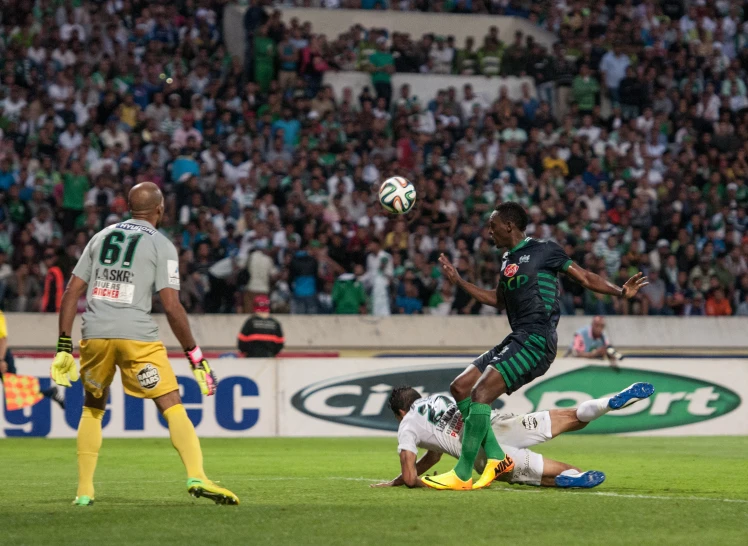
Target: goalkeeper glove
<point>64,369</point>
<point>202,372</point>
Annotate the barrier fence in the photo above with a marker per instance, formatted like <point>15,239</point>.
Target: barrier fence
<point>339,332</point>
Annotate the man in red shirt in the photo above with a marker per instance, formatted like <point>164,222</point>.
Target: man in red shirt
<point>718,305</point>
<point>54,283</point>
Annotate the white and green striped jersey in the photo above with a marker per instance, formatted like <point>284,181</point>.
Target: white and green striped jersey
<point>124,265</point>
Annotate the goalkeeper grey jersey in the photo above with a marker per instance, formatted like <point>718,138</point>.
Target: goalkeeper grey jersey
<point>124,265</point>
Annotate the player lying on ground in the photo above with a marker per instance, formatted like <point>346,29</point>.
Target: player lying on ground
<point>528,290</point>
<point>120,269</point>
<point>435,424</point>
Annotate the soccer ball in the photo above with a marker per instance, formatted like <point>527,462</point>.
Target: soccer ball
<point>397,195</point>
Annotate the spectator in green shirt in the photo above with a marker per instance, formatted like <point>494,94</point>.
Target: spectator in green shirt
<point>584,90</point>
<point>467,59</point>
<point>440,303</point>
<point>489,57</point>
<point>348,295</point>
<point>264,52</point>
<point>75,185</point>
<point>382,68</point>
<point>477,202</point>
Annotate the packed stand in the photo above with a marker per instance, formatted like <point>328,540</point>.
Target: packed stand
<point>271,179</point>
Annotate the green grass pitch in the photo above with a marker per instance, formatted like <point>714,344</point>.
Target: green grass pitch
<point>315,491</point>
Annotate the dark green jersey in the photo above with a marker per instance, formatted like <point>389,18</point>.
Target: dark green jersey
<point>528,284</point>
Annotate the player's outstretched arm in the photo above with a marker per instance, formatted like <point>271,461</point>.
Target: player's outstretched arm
<point>177,317</point>
<point>594,282</point>
<point>410,469</point>
<point>486,297</point>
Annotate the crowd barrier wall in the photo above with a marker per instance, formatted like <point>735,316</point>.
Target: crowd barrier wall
<point>426,86</point>
<point>348,397</point>
<point>333,22</point>
<point>343,332</point>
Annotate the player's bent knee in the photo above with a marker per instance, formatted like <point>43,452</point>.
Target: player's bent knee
<point>167,400</point>
<point>488,389</point>
<point>91,401</point>
<point>480,395</point>
<point>460,389</point>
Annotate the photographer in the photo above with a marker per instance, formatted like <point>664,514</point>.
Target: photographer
<point>591,342</point>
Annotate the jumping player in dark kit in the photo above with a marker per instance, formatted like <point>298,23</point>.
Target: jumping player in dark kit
<point>528,290</point>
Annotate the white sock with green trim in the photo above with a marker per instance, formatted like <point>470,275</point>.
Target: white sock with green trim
<point>593,409</point>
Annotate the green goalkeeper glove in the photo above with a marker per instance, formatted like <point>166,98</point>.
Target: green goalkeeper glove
<point>64,369</point>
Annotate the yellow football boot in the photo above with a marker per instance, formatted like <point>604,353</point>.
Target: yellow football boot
<point>206,488</point>
<point>448,481</point>
<point>494,469</point>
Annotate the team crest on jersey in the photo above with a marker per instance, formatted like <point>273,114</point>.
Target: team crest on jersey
<point>148,377</point>
<point>511,270</point>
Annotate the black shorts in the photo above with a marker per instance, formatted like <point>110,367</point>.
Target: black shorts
<point>10,361</point>
<point>520,358</point>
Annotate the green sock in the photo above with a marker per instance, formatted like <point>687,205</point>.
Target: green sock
<point>464,407</point>
<point>476,426</point>
<point>491,445</point>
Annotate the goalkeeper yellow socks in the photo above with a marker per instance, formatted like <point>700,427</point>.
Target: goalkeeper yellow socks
<point>185,441</point>
<point>89,444</point>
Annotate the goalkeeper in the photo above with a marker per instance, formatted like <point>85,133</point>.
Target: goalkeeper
<point>118,272</point>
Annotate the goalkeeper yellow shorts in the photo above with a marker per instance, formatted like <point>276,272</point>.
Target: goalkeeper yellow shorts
<point>146,372</point>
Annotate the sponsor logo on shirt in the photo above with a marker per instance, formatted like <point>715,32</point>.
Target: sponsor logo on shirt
<point>514,283</point>
<point>114,275</point>
<point>511,270</point>
<point>524,259</point>
<point>135,227</point>
<point>148,377</point>
<point>172,269</point>
<point>119,292</point>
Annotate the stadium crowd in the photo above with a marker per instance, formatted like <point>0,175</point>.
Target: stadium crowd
<point>633,155</point>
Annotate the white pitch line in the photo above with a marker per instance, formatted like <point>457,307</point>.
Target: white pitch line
<point>662,497</point>
<point>379,480</point>
<point>627,495</point>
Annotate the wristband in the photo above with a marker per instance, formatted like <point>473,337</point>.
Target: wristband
<point>195,355</point>
<point>65,344</point>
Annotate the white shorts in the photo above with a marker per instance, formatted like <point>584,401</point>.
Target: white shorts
<point>515,433</point>
<point>521,431</point>
<point>528,466</point>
